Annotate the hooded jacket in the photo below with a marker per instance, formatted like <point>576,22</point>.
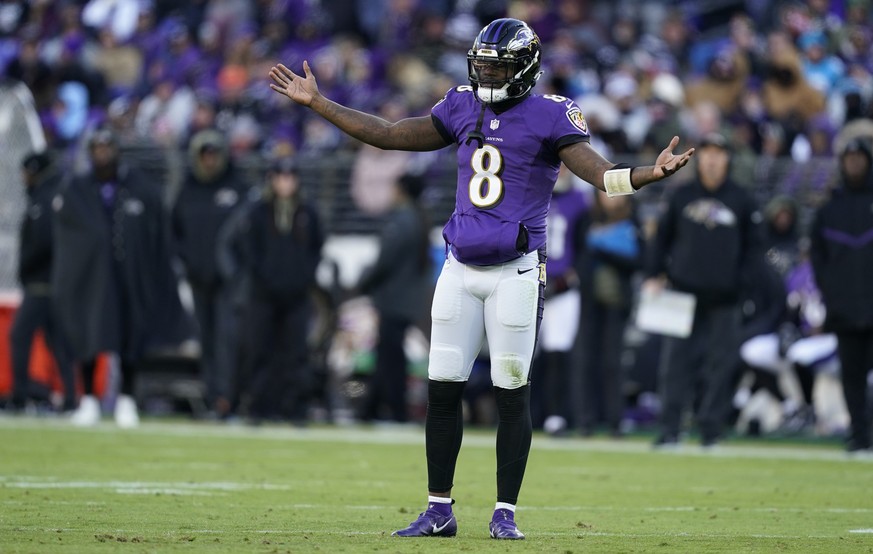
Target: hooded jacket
<point>842,255</point>
<point>786,93</point>
<point>201,209</point>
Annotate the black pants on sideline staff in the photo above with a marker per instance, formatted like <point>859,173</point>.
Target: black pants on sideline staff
<point>709,357</point>
<point>218,326</point>
<point>602,338</point>
<point>388,382</point>
<point>855,350</point>
<point>34,313</point>
<point>277,353</point>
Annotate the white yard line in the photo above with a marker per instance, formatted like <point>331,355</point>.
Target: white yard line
<point>579,533</point>
<point>681,535</point>
<point>144,487</point>
<point>169,491</point>
<point>223,488</point>
<point>415,436</point>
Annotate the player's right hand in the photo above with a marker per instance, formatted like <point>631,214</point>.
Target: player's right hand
<point>299,89</point>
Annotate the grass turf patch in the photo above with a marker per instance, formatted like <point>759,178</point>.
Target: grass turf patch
<point>171,486</point>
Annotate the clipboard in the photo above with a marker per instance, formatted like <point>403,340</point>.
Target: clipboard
<point>666,312</point>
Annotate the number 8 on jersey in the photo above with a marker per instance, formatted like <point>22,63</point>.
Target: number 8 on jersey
<point>486,186</point>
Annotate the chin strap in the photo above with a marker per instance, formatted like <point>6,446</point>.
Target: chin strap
<point>477,134</point>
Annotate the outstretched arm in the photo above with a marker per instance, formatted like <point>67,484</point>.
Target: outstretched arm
<point>585,162</point>
<point>414,133</point>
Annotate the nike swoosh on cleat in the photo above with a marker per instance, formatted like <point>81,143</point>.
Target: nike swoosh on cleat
<point>522,272</point>
<point>438,529</point>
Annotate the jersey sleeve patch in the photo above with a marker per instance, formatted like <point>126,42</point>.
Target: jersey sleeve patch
<point>574,114</point>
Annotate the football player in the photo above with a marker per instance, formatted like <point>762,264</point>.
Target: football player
<point>510,144</point>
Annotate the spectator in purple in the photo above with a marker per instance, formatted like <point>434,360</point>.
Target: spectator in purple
<point>179,56</point>
<point>147,38</point>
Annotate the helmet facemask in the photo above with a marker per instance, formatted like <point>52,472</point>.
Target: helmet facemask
<point>506,68</point>
<point>496,79</point>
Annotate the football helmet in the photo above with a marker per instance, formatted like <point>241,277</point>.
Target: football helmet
<point>504,62</point>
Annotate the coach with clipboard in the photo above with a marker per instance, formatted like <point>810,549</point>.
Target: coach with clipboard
<point>706,244</point>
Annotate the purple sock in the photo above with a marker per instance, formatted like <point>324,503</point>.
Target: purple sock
<point>501,514</point>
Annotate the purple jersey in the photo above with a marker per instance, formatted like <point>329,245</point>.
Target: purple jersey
<point>504,187</point>
<point>567,209</point>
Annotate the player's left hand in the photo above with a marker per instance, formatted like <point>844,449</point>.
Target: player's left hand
<point>669,163</point>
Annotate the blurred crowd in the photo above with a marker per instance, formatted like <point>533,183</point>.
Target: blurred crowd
<point>780,77</point>
<point>776,79</point>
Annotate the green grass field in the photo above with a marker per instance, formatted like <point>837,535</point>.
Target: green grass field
<point>177,486</point>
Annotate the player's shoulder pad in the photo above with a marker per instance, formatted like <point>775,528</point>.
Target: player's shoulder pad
<point>557,104</point>
<point>459,90</point>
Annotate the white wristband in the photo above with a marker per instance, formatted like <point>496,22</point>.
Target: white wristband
<point>617,182</point>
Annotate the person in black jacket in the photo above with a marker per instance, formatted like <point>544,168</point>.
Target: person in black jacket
<point>275,242</point>
<point>211,192</point>
<point>114,286</point>
<point>34,273</point>
<point>705,245</point>
<point>842,258</point>
<point>398,284</point>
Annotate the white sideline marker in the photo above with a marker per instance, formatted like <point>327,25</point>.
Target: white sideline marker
<point>414,436</point>
<point>861,531</point>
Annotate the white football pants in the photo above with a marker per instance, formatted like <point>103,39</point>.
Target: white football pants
<point>560,321</point>
<point>499,302</point>
<point>762,352</point>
